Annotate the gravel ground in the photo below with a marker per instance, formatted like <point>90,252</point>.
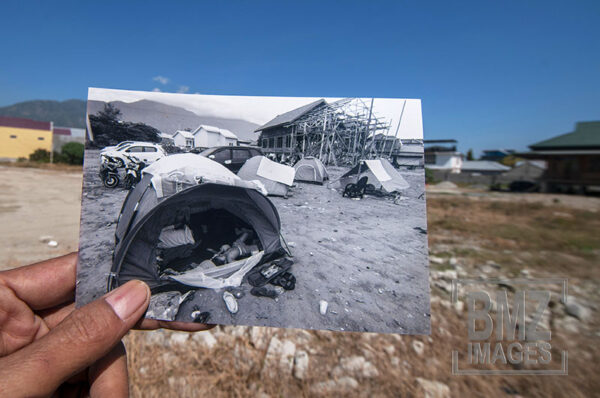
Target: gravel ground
<point>366,258</point>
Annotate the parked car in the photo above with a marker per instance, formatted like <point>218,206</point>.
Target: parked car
<point>146,152</point>
<point>118,146</point>
<point>232,157</point>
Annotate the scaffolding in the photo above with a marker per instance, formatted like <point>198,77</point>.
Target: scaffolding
<point>338,133</point>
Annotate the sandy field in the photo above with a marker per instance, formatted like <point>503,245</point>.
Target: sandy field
<point>366,258</point>
<point>472,234</point>
<point>36,206</point>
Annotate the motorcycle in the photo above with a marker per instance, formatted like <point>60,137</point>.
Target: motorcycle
<point>133,171</point>
<point>109,171</point>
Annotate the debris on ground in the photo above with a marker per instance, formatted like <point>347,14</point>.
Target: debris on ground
<point>230,302</point>
<point>53,243</point>
<point>264,291</point>
<point>199,316</point>
<point>323,307</point>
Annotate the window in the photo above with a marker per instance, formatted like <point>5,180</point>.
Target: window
<point>271,142</point>
<point>40,138</point>
<point>149,149</point>
<point>288,141</point>
<point>13,136</point>
<point>221,156</point>
<point>279,142</point>
<point>265,143</point>
<point>189,142</point>
<point>240,155</point>
<point>136,149</point>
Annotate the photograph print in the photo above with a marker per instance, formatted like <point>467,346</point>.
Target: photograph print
<point>290,212</point>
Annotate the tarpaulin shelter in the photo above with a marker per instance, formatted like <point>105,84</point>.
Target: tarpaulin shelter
<point>201,192</point>
<point>275,177</point>
<point>311,169</point>
<point>380,173</point>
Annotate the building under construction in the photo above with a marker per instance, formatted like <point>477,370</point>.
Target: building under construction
<point>338,133</point>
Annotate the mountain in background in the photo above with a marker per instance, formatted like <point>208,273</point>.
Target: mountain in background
<point>168,119</point>
<point>69,113</point>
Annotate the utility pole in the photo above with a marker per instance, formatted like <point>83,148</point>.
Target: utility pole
<point>51,142</point>
<point>397,128</point>
<point>364,143</point>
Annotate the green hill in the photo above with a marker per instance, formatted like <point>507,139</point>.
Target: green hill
<point>69,113</point>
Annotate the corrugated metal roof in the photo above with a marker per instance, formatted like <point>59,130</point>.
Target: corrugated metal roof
<point>586,135</point>
<point>185,134</point>
<point>61,131</point>
<point>292,115</point>
<point>483,165</point>
<point>18,122</point>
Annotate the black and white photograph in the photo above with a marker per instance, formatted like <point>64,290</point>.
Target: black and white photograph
<point>292,212</point>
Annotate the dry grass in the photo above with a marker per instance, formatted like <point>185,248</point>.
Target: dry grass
<point>45,166</point>
<point>547,240</point>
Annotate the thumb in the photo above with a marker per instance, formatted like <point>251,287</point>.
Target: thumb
<point>82,338</point>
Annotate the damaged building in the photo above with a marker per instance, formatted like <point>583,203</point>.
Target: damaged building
<point>337,133</point>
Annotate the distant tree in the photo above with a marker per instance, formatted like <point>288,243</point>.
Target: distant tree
<point>470,155</point>
<point>429,178</point>
<point>72,153</point>
<point>108,129</point>
<point>510,160</point>
<point>110,112</point>
<point>40,155</point>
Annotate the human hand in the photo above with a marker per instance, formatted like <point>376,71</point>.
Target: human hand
<point>47,347</point>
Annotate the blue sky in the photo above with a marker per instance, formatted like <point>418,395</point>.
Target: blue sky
<point>490,74</point>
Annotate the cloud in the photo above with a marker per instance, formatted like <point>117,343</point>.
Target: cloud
<point>156,90</point>
<point>161,79</point>
<point>183,89</point>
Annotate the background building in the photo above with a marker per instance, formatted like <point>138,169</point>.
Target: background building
<point>63,135</point>
<point>442,155</point>
<point>205,137</point>
<point>573,159</point>
<point>19,137</point>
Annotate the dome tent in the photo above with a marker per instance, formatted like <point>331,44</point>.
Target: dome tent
<point>275,177</point>
<point>212,201</point>
<point>379,172</point>
<point>310,169</point>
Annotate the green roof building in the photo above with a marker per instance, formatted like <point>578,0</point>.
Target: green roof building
<point>573,160</point>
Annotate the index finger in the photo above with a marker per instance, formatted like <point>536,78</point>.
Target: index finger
<point>44,284</point>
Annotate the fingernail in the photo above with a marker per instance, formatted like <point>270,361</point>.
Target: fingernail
<point>127,299</point>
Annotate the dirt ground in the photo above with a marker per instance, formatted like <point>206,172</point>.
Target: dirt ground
<point>472,234</point>
<point>367,258</point>
<point>36,206</point>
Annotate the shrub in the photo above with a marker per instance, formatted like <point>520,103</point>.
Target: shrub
<point>40,155</point>
<point>429,178</point>
<point>71,153</point>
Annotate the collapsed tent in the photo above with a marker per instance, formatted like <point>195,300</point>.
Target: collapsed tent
<point>186,213</point>
<point>275,177</point>
<point>379,172</point>
<point>310,169</point>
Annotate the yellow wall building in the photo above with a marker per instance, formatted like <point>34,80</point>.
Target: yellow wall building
<point>19,137</point>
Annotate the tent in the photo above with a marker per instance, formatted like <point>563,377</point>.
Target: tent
<point>192,204</point>
<point>380,173</point>
<point>310,169</point>
<point>275,177</point>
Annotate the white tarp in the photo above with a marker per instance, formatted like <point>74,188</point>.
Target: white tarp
<point>187,169</point>
<point>378,170</point>
<point>276,171</point>
<point>200,276</point>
